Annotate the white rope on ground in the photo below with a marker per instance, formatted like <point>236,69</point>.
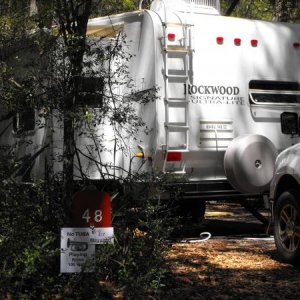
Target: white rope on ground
<point>204,236</point>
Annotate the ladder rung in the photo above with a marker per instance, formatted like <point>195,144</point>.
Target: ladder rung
<point>179,128</point>
<point>176,172</point>
<point>178,76</point>
<point>176,102</point>
<point>177,150</point>
<point>180,150</point>
<point>176,49</point>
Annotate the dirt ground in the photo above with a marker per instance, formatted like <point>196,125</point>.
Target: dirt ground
<point>239,261</point>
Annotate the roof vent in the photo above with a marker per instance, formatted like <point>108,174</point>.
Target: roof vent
<point>211,7</point>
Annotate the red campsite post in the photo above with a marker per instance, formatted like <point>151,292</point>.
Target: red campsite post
<point>91,209</point>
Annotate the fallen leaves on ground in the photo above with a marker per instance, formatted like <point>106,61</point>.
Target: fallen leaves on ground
<point>232,267</point>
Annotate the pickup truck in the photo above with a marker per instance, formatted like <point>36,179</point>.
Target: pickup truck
<point>285,195</point>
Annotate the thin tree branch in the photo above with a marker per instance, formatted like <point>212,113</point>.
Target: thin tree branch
<point>232,7</point>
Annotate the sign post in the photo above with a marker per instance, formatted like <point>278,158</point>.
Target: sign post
<point>91,209</point>
<point>91,212</point>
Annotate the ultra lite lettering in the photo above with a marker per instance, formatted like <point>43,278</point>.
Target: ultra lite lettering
<point>211,90</point>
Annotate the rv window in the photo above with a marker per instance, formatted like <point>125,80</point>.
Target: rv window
<point>24,121</point>
<point>274,92</point>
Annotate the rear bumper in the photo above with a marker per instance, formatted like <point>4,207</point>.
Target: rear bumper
<point>218,190</point>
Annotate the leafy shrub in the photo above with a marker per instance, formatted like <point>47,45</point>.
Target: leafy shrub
<point>30,222</point>
<point>136,261</point>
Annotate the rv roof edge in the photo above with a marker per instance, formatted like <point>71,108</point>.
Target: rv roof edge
<point>113,19</point>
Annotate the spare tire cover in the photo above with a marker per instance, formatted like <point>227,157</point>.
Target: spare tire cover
<point>249,163</point>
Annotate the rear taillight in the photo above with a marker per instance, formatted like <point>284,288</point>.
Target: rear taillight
<point>174,156</point>
<point>296,45</point>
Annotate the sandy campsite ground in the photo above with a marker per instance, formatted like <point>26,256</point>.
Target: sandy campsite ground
<point>238,262</point>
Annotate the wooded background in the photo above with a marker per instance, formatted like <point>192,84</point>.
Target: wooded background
<point>31,215</point>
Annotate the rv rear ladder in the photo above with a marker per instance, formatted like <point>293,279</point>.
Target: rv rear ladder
<point>176,107</point>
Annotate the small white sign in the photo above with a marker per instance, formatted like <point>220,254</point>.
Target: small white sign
<point>76,250</point>
<point>102,235</point>
<point>216,126</point>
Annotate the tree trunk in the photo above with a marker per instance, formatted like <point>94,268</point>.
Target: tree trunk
<point>232,7</point>
<point>68,159</point>
<point>73,18</point>
<point>280,12</point>
<point>33,8</point>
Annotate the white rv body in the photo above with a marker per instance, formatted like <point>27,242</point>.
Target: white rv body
<point>227,57</point>
<point>208,70</point>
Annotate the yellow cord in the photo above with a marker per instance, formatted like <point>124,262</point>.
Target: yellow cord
<point>140,155</point>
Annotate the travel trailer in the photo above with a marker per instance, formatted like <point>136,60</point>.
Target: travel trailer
<point>222,84</point>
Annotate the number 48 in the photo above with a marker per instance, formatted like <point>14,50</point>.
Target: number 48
<point>97,215</point>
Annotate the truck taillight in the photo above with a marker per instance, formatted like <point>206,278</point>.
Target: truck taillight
<point>174,156</point>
